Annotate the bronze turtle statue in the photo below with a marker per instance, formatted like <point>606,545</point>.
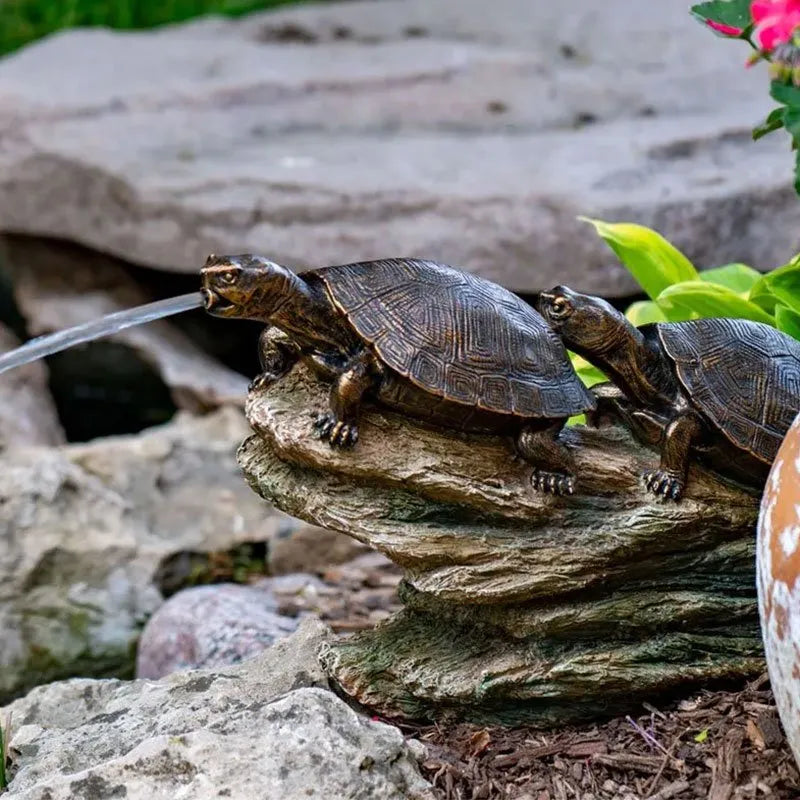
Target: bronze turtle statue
<point>727,389</point>
<point>423,338</point>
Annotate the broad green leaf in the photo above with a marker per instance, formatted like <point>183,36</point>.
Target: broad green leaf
<point>773,122</point>
<point>727,12</point>
<point>788,321</point>
<point>649,257</point>
<point>711,300</point>
<point>644,312</point>
<point>738,277</point>
<point>762,295</point>
<point>588,373</point>
<point>783,284</point>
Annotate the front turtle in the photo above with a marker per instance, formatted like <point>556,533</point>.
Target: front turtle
<point>422,338</point>
<point>727,388</point>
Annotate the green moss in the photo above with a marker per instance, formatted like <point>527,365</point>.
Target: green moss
<point>78,623</point>
<point>23,21</point>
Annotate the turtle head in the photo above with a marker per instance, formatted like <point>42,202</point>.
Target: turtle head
<point>586,324</point>
<point>245,286</point>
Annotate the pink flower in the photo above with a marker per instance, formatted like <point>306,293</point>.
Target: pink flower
<point>775,21</point>
<point>721,27</point>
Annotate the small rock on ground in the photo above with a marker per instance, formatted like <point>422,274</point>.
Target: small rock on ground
<point>222,624</point>
<point>209,626</point>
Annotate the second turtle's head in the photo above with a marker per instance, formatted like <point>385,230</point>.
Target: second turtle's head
<point>588,325</point>
<point>244,287</point>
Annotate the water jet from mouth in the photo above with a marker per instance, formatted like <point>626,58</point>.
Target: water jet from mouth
<point>51,343</point>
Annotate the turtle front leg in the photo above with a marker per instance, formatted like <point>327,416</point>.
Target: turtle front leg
<point>277,354</point>
<point>339,425</point>
<point>669,480</point>
<point>553,464</point>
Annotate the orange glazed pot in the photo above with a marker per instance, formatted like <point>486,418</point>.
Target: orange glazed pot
<point>778,571</point>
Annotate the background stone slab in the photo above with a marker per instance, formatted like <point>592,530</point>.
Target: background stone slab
<point>27,414</point>
<point>357,130</point>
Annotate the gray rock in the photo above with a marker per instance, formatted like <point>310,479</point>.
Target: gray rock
<point>27,413</point>
<point>84,529</point>
<point>209,626</point>
<point>57,286</point>
<point>404,127</point>
<point>232,733</point>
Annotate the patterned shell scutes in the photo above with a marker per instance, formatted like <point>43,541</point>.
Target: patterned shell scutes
<point>458,336</point>
<point>745,376</point>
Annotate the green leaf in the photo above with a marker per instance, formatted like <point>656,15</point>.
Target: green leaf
<point>783,284</point>
<point>738,277</point>
<point>727,12</point>
<point>785,93</point>
<point>791,120</point>
<point>773,122</point>
<point>702,736</point>
<point>644,312</point>
<point>762,295</point>
<point>796,167</point>
<point>787,321</point>
<point>711,300</point>
<point>588,373</point>
<point>649,257</point>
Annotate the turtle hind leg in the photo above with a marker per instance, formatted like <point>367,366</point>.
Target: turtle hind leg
<point>553,464</point>
<point>669,480</point>
<point>339,425</point>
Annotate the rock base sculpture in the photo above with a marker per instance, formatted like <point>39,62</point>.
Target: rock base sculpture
<point>519,607</point>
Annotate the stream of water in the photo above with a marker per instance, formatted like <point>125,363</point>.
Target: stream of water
<point>51,343</point>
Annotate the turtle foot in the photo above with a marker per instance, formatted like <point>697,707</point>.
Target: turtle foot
<point>337,433</point>
<point>664,483</point>
<point>555,483</point>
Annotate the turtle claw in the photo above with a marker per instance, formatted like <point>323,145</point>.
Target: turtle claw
<point>337,433</point>
<point>261,381</point>
<point>664,484</point>
<point>555,483</point>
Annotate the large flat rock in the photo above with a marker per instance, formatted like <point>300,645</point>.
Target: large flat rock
<point>359,130</point>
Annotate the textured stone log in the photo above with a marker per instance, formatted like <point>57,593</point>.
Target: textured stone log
<point>519,607</point>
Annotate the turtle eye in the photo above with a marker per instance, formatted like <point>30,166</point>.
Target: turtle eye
<point>229,277</point>
<point>559,307</point>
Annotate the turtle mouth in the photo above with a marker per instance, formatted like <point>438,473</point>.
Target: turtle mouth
<point>214,303</point>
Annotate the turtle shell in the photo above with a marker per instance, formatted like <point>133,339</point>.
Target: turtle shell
<point>458,336</point>
<point>744,376</point>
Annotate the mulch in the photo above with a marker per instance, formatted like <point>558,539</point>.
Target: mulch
<point>720,745</point>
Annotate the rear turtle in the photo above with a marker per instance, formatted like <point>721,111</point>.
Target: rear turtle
<point>422,338</point>
<point>727,389</point>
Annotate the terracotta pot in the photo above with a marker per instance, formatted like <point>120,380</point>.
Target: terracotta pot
<point>778,570</point>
